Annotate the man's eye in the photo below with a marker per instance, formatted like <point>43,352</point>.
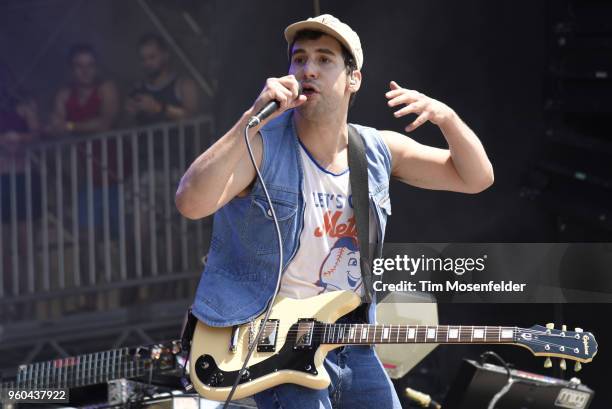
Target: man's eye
<point>325,60</point>
<point>298,60</point>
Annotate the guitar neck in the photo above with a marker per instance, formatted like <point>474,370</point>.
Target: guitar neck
<point>416,334</point>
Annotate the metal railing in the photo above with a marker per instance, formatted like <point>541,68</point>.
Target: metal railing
<point>96,214</point>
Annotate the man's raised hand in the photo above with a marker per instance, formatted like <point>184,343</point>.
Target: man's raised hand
<point>427,109</point>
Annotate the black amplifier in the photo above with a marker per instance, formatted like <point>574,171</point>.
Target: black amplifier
<point>476,384</point>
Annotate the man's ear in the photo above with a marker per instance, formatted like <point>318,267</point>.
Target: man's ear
<point>355,81</point>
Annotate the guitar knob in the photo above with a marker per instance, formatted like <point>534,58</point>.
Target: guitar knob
<point>550,325</point>
<point>563,364</point>
<point>216,379</point>
<point>577,366</point>
<point>547,363</point>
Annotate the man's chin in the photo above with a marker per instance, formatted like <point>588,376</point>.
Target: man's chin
<point>308,109</point>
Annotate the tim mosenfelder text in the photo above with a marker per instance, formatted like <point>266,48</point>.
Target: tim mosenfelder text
<point>457,265</point>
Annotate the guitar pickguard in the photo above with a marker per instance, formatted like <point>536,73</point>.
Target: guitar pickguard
<point>288,358</point>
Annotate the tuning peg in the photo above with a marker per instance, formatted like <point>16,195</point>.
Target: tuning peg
<point>550,325</point>
<point>563,364</point>
<point>547,363</point>
<point>563,327</point>
<point>578,329</point>
<point>577,366</point>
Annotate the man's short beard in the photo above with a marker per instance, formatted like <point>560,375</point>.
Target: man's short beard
<point>314,110</point>
<point>321,109</point>
<point>308,112</point>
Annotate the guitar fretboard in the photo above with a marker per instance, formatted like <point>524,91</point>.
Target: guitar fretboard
<point>418,334</point>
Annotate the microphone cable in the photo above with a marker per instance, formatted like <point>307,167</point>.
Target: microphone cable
<point>264,321</point>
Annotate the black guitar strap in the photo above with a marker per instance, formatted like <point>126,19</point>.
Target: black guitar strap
<point>358,176</point>
<point>189,324</point>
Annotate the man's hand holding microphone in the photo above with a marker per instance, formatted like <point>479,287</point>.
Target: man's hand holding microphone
<point>277,96</point>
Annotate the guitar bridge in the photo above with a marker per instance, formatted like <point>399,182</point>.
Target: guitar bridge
<point>234,339</point>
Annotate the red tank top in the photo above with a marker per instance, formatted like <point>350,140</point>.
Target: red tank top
<point>90,109</point>
<point>77,112</point>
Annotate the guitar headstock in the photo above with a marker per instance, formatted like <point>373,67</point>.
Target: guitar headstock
<point>547,341</point>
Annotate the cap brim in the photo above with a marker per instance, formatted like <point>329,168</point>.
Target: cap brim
<point>291,30</point>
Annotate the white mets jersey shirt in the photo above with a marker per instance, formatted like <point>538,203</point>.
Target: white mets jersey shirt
<point>328,255</point>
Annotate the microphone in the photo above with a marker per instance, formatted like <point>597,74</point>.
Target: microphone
<point>268,110</point>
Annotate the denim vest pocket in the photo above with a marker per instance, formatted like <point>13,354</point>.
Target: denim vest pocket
<point>212,289</point>
<point>259,226</point>
<point>283,210</point>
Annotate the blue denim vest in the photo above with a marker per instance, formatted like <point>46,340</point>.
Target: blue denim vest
<point>241,269</point>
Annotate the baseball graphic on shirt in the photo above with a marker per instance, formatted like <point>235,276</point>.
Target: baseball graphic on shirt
<point>340,269</point>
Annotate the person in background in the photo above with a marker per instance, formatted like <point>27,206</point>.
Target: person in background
<point>18,127</point>
<point>162,95</point>
<point>88,105</point>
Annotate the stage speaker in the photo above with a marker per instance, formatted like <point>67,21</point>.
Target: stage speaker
<point>476,384</point>
<point>405,308</point>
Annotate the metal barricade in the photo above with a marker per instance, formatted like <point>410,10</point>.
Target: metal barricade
<point>92,214</point>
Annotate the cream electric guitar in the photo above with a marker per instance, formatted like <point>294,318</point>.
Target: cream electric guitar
<point>300,333</point>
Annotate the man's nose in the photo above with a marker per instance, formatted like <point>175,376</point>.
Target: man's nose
<point>310,70</point>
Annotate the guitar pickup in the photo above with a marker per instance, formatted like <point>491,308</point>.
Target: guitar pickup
<point>304,333</point>
<point>267,342</point>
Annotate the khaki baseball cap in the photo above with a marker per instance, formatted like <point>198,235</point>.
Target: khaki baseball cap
<point>328,24</point>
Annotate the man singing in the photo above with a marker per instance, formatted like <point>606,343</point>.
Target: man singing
<point>301,151</point>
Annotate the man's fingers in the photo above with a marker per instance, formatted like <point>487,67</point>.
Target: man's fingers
<point>394,85</point>
<point>404,98</point>
<point>277,85</point>
<point>282,96</point>
<point>414,107</point>
<point>291,84</point>
<point>283,90</point>
<point>421,119</point>
<point>298,101</point>
<point>394,93</point>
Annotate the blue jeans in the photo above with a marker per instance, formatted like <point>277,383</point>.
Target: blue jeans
<point>358,381</point>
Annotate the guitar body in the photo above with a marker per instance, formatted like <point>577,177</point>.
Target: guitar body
<point>289,354</point>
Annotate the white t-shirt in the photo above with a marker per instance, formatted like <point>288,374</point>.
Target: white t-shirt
<point>328,255</point>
